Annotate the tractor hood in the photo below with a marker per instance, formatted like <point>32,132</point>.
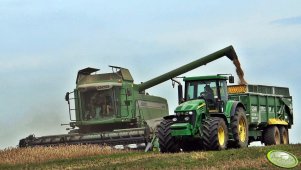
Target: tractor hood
<point>190,105</point>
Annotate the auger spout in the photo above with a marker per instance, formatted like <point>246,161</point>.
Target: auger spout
<point>228,51</point>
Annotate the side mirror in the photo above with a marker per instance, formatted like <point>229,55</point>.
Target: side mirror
<point>67,96</point>
<point>231,79</point>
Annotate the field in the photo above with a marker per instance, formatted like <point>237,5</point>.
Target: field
<point>95,157</point>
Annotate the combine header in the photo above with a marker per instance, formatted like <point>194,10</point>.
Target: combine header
<point>110,109</point>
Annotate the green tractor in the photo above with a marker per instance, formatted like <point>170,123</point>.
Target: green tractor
<point>214,116</point>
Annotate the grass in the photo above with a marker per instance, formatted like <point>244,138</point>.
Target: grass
<point>95,157</point>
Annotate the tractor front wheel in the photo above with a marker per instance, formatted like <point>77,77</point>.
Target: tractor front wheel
<point>167,143</point>
<point>215,134</point>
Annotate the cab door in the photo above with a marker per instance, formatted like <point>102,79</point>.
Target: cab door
<point>223,95</point>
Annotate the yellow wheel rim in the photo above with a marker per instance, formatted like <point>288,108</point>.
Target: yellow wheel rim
<point>242,130</point>
<point>277,138</point>
<point>285,138</point>
<point>221,136</point>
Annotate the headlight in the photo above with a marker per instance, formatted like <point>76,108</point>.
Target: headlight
<point>174,119</point>
<point>191,113</point>
<point>186,118</point>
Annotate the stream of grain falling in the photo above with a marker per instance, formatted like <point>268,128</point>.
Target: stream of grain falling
<point>240,72</point>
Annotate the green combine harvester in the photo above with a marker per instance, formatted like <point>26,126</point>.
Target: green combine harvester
<point>110,109</point>
<point>214,116</point>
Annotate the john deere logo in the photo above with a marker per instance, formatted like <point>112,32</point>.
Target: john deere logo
<point>282,159</point>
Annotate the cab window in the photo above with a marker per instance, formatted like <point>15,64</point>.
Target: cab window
<point>223,90</point>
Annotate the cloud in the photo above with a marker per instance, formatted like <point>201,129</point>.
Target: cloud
<point>288,21</point>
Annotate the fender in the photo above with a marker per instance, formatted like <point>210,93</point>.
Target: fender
<point>221,115</point>
<point>234,106</point>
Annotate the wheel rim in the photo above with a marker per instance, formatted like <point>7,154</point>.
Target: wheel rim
<point>277,137</point>
<point>285,137</point>
<point>242,130</point>
<point>221,136</point>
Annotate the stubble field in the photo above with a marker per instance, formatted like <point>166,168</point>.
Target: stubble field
<point>96,157</point>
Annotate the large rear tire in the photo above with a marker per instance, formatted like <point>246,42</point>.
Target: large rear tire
<point>215,134</point>
<point>284,137</point>
<point>167,143</point>
<point>271,136</point>
<point>239,127</point>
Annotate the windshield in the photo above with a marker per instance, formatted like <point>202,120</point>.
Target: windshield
<point>99,104</point>
<point>199,89</point>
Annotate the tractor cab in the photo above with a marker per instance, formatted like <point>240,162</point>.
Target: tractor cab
<point>213,89</point>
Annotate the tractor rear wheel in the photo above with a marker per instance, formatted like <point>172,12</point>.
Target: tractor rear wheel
<point>271,136</point>
<point>239,126</point>
<point>284,139</point>
<point>167,143</point>
<point>215,134</point>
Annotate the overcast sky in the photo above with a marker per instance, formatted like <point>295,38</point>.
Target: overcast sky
<point>44,43</point>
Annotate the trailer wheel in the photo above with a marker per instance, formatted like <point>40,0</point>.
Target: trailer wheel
<point>167,143</point>
<point>284,138</point>
<point>271,136</point>
<point>215,134</point>
<point>239,127</point>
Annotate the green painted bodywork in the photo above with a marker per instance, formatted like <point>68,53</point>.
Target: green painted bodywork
<point>181,129</point>
<point>190,105</point>
<point>261,104</point>
<point>197,107</point>
<point>262,107</point>
<point>128,108</point>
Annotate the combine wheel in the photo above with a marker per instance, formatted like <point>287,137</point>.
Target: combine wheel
<point>284,139</point>
<point>167,143</point>
<point>239,126</point>
<point>271,136</point>
<point>215,134</point>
